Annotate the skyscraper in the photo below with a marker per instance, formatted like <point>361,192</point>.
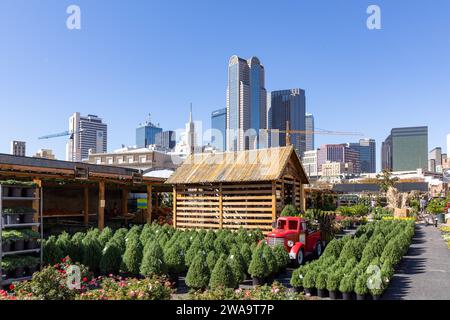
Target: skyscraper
<point>289,105</point>
<point>338,153</point>
<point>146,134</point>
<point>90,134</point>
<point>367,154</point>
<point>246,103</point>
<point>435,159</point>
<point>406,149</point>
<point>310,134</point>
<point>219,129</point>
<point>18,148</point>
<point>166,139</point>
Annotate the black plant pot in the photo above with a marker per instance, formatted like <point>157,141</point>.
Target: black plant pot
<point>5,191</point>
<point>310,291</point>
<point>6,246</point>
<point>28,217</point>
<point>322,293</point>
<point>13,218</point>
<point>18,273</point>
<point>31,244</point>
<point>19,245</point>
<point>360,297</point>
<point>174,279</point>
<point>257,281</point>
<point>299,289</point>
<point>30,192</point>
<point>5,220</point>
<point>334,295</point>
<point>270,279</point>
<point>347,296</point>
<point>16,192</point>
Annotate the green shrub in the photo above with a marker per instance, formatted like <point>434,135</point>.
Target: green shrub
<point>111,258</point>
<point>63,242</point>
<point>52,252</point>
<point>258,267</point>
<point>281,256</point>
<point>198,274</point>
<point>290,211</point>
<point>105,236</point>
<point>237,265</point>
<point>174,258</point>
<point>271,260</point>
<point>333,248</point>
<point>222,275</point>
<point>211,260</point>
<point>133,256</point>
<point>347,284</point>
<point>361,285</point>
<point>193,250</point>
<point>75,250</point>
<point>92,251</point>
<point>309,281</point>
<point>298,275</point>
<point>219,246</point>
<point>334,280</point>
<point>321,280</point>
<point>153,260</point>
<point>246,254</point>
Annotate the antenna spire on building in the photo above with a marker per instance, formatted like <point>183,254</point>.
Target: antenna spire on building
<point>190,114</point>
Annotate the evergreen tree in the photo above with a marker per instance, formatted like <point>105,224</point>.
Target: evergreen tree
<point>105,236</point>
<point>133,255</point>
<point>281,256</point>
<point>258,267</point>
<point>246,254</point>
<point>174,258</point>
<point>92,251</point>
<point>153,261</point>
<point>237,265</point>
<point>111,258</point>
<point>198,274</point>
<point>271,260</point>
<point>211,260</point>
<point>222,275</point>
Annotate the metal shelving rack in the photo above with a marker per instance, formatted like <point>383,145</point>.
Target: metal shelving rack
<point>38,197</point>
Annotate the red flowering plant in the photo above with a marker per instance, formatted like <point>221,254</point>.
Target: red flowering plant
<point>62,281</point>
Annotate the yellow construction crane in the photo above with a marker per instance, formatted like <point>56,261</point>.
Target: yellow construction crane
<point>288,132</point>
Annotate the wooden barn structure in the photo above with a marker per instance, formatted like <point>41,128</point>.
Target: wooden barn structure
<point>237,189</point>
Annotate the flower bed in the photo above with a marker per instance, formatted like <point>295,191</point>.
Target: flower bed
<point>363,265</point>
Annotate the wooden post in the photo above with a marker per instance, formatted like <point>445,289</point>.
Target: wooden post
<point>274,201</point>
<point>149,204</point>
<point>294,192</point>
<point>124,201</point>
<point>302,197</point>
<point>37,203</point>
<point>86,206</point>
<point>220,207</point>
<point>156,201</point>
<point>174,201</point>
<point>101,205</point>
<point>283,195</point>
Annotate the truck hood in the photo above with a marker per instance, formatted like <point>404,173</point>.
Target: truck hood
<point>280,233</point>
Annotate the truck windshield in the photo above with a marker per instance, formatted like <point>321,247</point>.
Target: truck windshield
<point>281,224</point>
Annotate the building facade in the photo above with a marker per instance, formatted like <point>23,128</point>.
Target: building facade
<point>310,140</point>
<point>45,154</point>
<point>146,134</point>
<point>288,106</point>
<point>367,154</point>
<point>246,104</point>
<point>219,129</point>
<point>338,153</point>
<point>90,135</point>
<point>166,139</point>
<point>336,169</point>
<point>406,149</point>
<point>310,163</point>
<point>18,148</point>
<point>435,160</point>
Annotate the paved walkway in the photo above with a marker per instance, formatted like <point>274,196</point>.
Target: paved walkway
<point>424,273</point>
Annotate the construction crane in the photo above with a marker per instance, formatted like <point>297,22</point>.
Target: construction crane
<point>61,134</point>
<point>289,132</point>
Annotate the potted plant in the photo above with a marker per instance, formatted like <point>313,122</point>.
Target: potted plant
<point>5,190</point>
<point>7,269</point>
<point>333,281</point>
<point>271,263</point>
<point>282,258</point>
<point>361,289</point>
<point>31,239</point>
<point>12,216</point>
<point>7,241</point>
<point>237,265</point>
<point>297,278</point>
<point>309,282</point>
<point>19,267</point>
<point>197,277</point>
<point>258,268</point>
<point>347,286</point>
<point>31,264</point>
<point>27,215</point>
<point>153,263</point>
<point>222,275</point>
<point>321,284</point>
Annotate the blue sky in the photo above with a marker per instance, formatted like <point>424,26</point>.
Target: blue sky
<point>136,57</point>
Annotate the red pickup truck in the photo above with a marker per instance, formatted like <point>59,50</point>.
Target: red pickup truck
<point>293,234</point>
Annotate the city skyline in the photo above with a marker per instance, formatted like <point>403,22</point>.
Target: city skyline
<point>341,86</point>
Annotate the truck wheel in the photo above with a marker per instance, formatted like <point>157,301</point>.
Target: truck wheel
<point>319,249</point>
<point>300,257</point>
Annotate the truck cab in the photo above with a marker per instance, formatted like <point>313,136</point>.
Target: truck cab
<point>297,239</point>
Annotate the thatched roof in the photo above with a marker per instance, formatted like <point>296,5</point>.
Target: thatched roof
<point>243,166</point>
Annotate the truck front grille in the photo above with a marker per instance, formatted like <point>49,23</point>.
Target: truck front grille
<point>275,241</point>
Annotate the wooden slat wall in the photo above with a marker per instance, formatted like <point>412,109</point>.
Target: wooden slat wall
<point>247,205</point>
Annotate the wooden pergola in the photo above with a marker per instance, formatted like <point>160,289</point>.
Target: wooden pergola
<point>87,177</point>
<point>237,189</point>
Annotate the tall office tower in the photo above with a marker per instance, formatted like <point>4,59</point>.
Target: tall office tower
<point>166,139</point>
<point>246,104</point>
<point>18,148</point>
<point>435,159</point>
<point>367,154</point>
<point>338,153</point>
<point>219,129</point>
<point>310,134</point>
<point>90,134</point>
<point>146,134</point>
<point>405,149</point>
<point>289,105</point>
<point>309,162</point>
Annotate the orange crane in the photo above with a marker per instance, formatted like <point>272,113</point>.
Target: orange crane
<point>288,132</point>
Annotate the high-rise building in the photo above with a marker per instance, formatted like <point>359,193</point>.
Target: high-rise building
<point>45,154</point>
<point>90,134</point>
<point>289,105</point>
<point>435,159</point>
<point>18,148</point>
<point>166,139</point>
<point>309,162</point>
<point>246,104</point>
<point>338,153</point>
<point>405,149</point>
<point>310,129</point>
<point>367,154</point>
<point>219,129</point>
<point>146,134</point>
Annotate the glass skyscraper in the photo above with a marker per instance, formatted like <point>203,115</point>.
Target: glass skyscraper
<point>310,135</point>
<point>246,104</point>
<point>146,134</point>
<point>367,154</point>
<point>219,127</point>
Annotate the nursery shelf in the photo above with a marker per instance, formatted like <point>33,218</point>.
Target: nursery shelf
<point>11,253</point>
<point>20,225</point>
<point>10,281</point>
<point>19,198</point>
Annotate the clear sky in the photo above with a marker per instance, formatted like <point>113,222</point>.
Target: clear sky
<point>131,58</point>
